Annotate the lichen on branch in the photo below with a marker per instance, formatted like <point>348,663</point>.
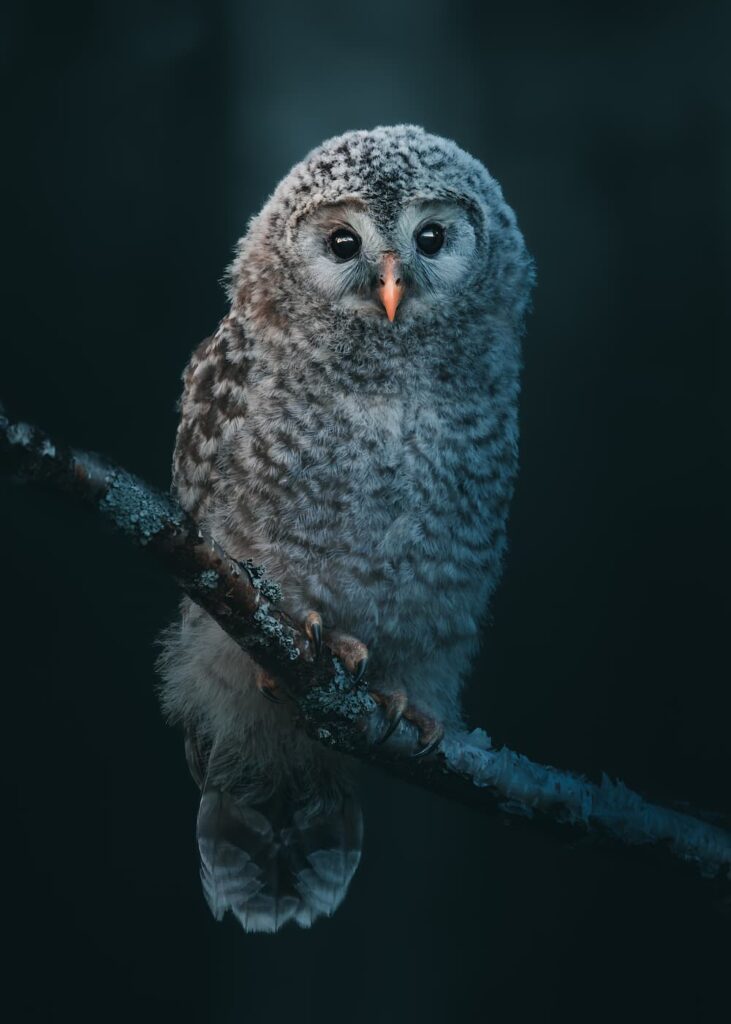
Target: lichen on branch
<point>243,600</point>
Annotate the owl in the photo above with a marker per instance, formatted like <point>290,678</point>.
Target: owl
<point>352,426</point>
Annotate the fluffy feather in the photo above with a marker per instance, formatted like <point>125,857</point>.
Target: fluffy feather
<point>277,862</point>
<point>369,465</point>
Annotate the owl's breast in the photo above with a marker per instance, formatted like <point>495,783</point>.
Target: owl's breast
<point>369,508</point>
<point>407,483</point>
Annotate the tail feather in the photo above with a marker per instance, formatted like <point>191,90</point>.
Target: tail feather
<point>323,855</point>
<point>277,861</point>
<point>231,841</point>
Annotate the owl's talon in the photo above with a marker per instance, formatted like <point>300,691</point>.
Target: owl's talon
<point>270,696</point>
<point>394,705</point>
<point>313,631</point>
<point>431,743</point>
<point>268,687</point>
<point>431,731</point>
<point>390,728</point>
<point>350,652</point>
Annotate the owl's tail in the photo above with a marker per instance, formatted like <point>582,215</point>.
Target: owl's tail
<point>286,856</point>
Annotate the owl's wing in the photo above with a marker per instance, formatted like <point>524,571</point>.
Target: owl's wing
<point>213,405</point>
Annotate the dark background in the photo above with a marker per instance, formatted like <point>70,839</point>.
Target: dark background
<point>138,139</point>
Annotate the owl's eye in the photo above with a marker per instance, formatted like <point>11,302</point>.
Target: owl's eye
<point>430,238</point>
<point>344,243</point>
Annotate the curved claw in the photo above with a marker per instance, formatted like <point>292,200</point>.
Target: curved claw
<point>350,652</point>
<point>266,692</point>
<point>317,638</point>
<point>429,746</point>
<point>313,630</point>
<point>394,706</point>
<point>393,722</point>
<point>269,688</point>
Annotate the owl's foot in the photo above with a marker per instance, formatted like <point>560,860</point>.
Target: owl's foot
<point>396,707</point>
<point>394,704</point>
<point>431,730</point>
<point>350,652</point>
<point>269,687</point>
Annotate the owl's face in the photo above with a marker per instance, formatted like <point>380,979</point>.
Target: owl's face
<point>402,263</point>
<point>379,239</point>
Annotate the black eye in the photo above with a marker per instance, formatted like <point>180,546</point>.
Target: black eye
<point>344,243</point>
<point>430,238</point>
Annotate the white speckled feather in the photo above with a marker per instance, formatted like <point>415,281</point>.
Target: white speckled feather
<point>368,464</point>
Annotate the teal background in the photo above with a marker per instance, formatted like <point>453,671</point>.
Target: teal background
<point>139,138</point>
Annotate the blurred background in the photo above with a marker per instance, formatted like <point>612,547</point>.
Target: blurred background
<point>138,140</point>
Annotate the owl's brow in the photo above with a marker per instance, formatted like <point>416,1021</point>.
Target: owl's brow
<point>438,206</point>
<point>333,213</point>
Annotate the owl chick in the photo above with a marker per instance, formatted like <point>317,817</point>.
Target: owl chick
<point>352,426</point>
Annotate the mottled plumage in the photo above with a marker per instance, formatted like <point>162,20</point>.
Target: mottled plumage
<point>368,464</point>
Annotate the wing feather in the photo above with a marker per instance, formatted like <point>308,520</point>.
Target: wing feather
<point>214,398</point>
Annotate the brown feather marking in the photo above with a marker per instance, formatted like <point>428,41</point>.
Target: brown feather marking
<point>204,415</point>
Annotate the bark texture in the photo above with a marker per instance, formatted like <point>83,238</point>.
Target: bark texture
<point>239,596</point>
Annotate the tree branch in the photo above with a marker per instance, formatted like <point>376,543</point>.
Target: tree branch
<point>465,767</point>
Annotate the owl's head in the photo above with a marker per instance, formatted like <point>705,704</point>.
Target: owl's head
<point>388,226</point>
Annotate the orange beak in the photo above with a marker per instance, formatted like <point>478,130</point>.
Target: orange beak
<point>391,287</point>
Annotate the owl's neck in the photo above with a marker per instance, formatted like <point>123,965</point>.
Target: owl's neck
<point>347,353</point>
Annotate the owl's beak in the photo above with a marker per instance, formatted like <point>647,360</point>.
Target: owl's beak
<point>391,285</point>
